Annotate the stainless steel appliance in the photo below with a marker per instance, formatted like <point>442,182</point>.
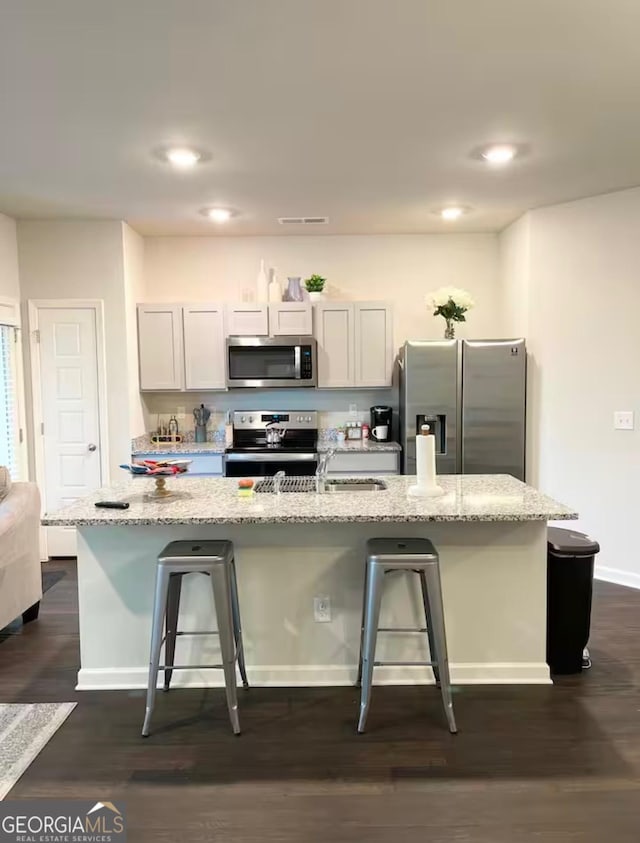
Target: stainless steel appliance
<point>271,361</point>
<point>473,394</point>
<point>381,418</point>
<point>256,452</point>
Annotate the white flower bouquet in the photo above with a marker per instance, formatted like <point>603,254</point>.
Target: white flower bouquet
<point>451,303</point>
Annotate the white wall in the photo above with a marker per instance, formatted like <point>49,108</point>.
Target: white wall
<point>133,265</point>
<point>9,277</point>
<point>399,268</point>
<point>584,301</point>
<point>514,269</point>
<point>84,260</point>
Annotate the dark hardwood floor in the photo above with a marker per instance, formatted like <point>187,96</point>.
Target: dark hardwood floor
<point>553,763</point>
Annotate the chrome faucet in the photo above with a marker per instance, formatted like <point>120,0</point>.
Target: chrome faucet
<point>278,477</point>
<point>321,471</point>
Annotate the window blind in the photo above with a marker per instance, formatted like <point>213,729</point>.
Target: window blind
<point>9,419</point>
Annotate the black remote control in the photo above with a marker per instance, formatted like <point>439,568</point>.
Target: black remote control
<point>113,504</point>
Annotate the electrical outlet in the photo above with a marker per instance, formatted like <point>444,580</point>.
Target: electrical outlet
<point>353,411</point>
<point>623,420</point>
<point>322,609</point>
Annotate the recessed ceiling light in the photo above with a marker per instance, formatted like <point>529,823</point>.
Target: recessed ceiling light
<point>501,153</point>
<point>218,214</point>
<point>183,157</point>
<point>453,212</point>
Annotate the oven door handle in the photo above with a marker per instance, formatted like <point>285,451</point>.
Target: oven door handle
<point>279,457</point>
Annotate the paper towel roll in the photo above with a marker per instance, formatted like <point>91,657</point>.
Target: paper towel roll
<point>426,461</point>
<point>427,485</point>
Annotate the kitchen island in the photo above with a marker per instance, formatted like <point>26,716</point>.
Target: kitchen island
<point>490,532</point>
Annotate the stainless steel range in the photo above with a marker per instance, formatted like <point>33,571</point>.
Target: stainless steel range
<point>268,441</point>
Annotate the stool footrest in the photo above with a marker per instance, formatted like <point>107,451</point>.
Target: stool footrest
<point>402,629</point>
<point>406,664</point>
<point>190,667</point>
<point>210,632</point>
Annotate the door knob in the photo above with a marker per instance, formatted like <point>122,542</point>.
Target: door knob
<point>92,447</point>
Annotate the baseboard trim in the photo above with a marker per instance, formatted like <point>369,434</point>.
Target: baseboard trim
<point>301,676</point>
<point>617,576</point>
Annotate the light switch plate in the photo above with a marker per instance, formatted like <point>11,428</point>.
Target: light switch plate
<point>623,420</point>
<point>322,609</point>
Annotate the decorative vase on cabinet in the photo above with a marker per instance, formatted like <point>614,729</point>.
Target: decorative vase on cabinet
<point>262,285</point>
<point>275,290</point>
<point>293,291</point>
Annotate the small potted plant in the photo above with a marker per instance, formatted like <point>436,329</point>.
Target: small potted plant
<point>314,286</point>
<point>452,304</point>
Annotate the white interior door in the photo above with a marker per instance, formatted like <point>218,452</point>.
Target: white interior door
<point>70,412</point>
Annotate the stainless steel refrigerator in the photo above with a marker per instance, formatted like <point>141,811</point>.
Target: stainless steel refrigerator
<point>473,394</point>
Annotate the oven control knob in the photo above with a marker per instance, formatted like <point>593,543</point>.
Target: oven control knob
<point>250,419</point>
<point>299,419</point>
<point>308,418</point>
<point>243,419</point>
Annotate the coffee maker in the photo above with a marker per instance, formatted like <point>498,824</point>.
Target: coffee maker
<point>381,424</point>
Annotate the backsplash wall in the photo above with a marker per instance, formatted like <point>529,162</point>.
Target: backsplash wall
<point>332,404</point>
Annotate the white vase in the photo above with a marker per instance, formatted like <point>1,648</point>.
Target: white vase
<point>315,297</point>
<point>275,290</point>
<point>262,285</point>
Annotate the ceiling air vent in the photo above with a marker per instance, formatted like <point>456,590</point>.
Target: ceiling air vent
<point>303,220</point>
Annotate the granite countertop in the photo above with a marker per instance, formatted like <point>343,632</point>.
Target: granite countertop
<point>353,447</point>
<point>496,497</point>
<point>357,446</point>
<point>179,448</point>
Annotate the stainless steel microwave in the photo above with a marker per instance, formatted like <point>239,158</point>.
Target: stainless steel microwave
<point>281,362</point>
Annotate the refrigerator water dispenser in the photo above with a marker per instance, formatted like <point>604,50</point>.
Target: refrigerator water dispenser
<point>438,426</point>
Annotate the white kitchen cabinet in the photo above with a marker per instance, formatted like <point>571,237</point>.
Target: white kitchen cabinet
<point>290,319</point>
<point>207,465</point>
<point>347,464</point>
<point>355,344</point>
<point>160,347</point>
<point>204,346</point>
<point>334,332</point>
<point>374,352</point>
<point>248,320</point>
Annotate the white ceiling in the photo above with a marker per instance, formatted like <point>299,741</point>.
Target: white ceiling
<point>363,110</point>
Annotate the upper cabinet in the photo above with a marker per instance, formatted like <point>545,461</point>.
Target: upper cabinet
<point>334,333</point>
<point>374,350</point>
<point>247,320</point>
<point>290,319</point>
<point>204,346</point>
<point>182,347</point>
<point>355,344</point>
<point>160,346</point>
<point>279,319</point>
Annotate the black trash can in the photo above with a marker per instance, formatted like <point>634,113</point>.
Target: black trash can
<point>570,560</point>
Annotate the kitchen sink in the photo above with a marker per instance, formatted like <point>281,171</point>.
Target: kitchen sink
<point>364,485</point>
<point>308,484</point>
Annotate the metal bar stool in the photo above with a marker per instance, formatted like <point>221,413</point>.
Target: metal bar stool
<point>421,557</point>
<point>216,560</point>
